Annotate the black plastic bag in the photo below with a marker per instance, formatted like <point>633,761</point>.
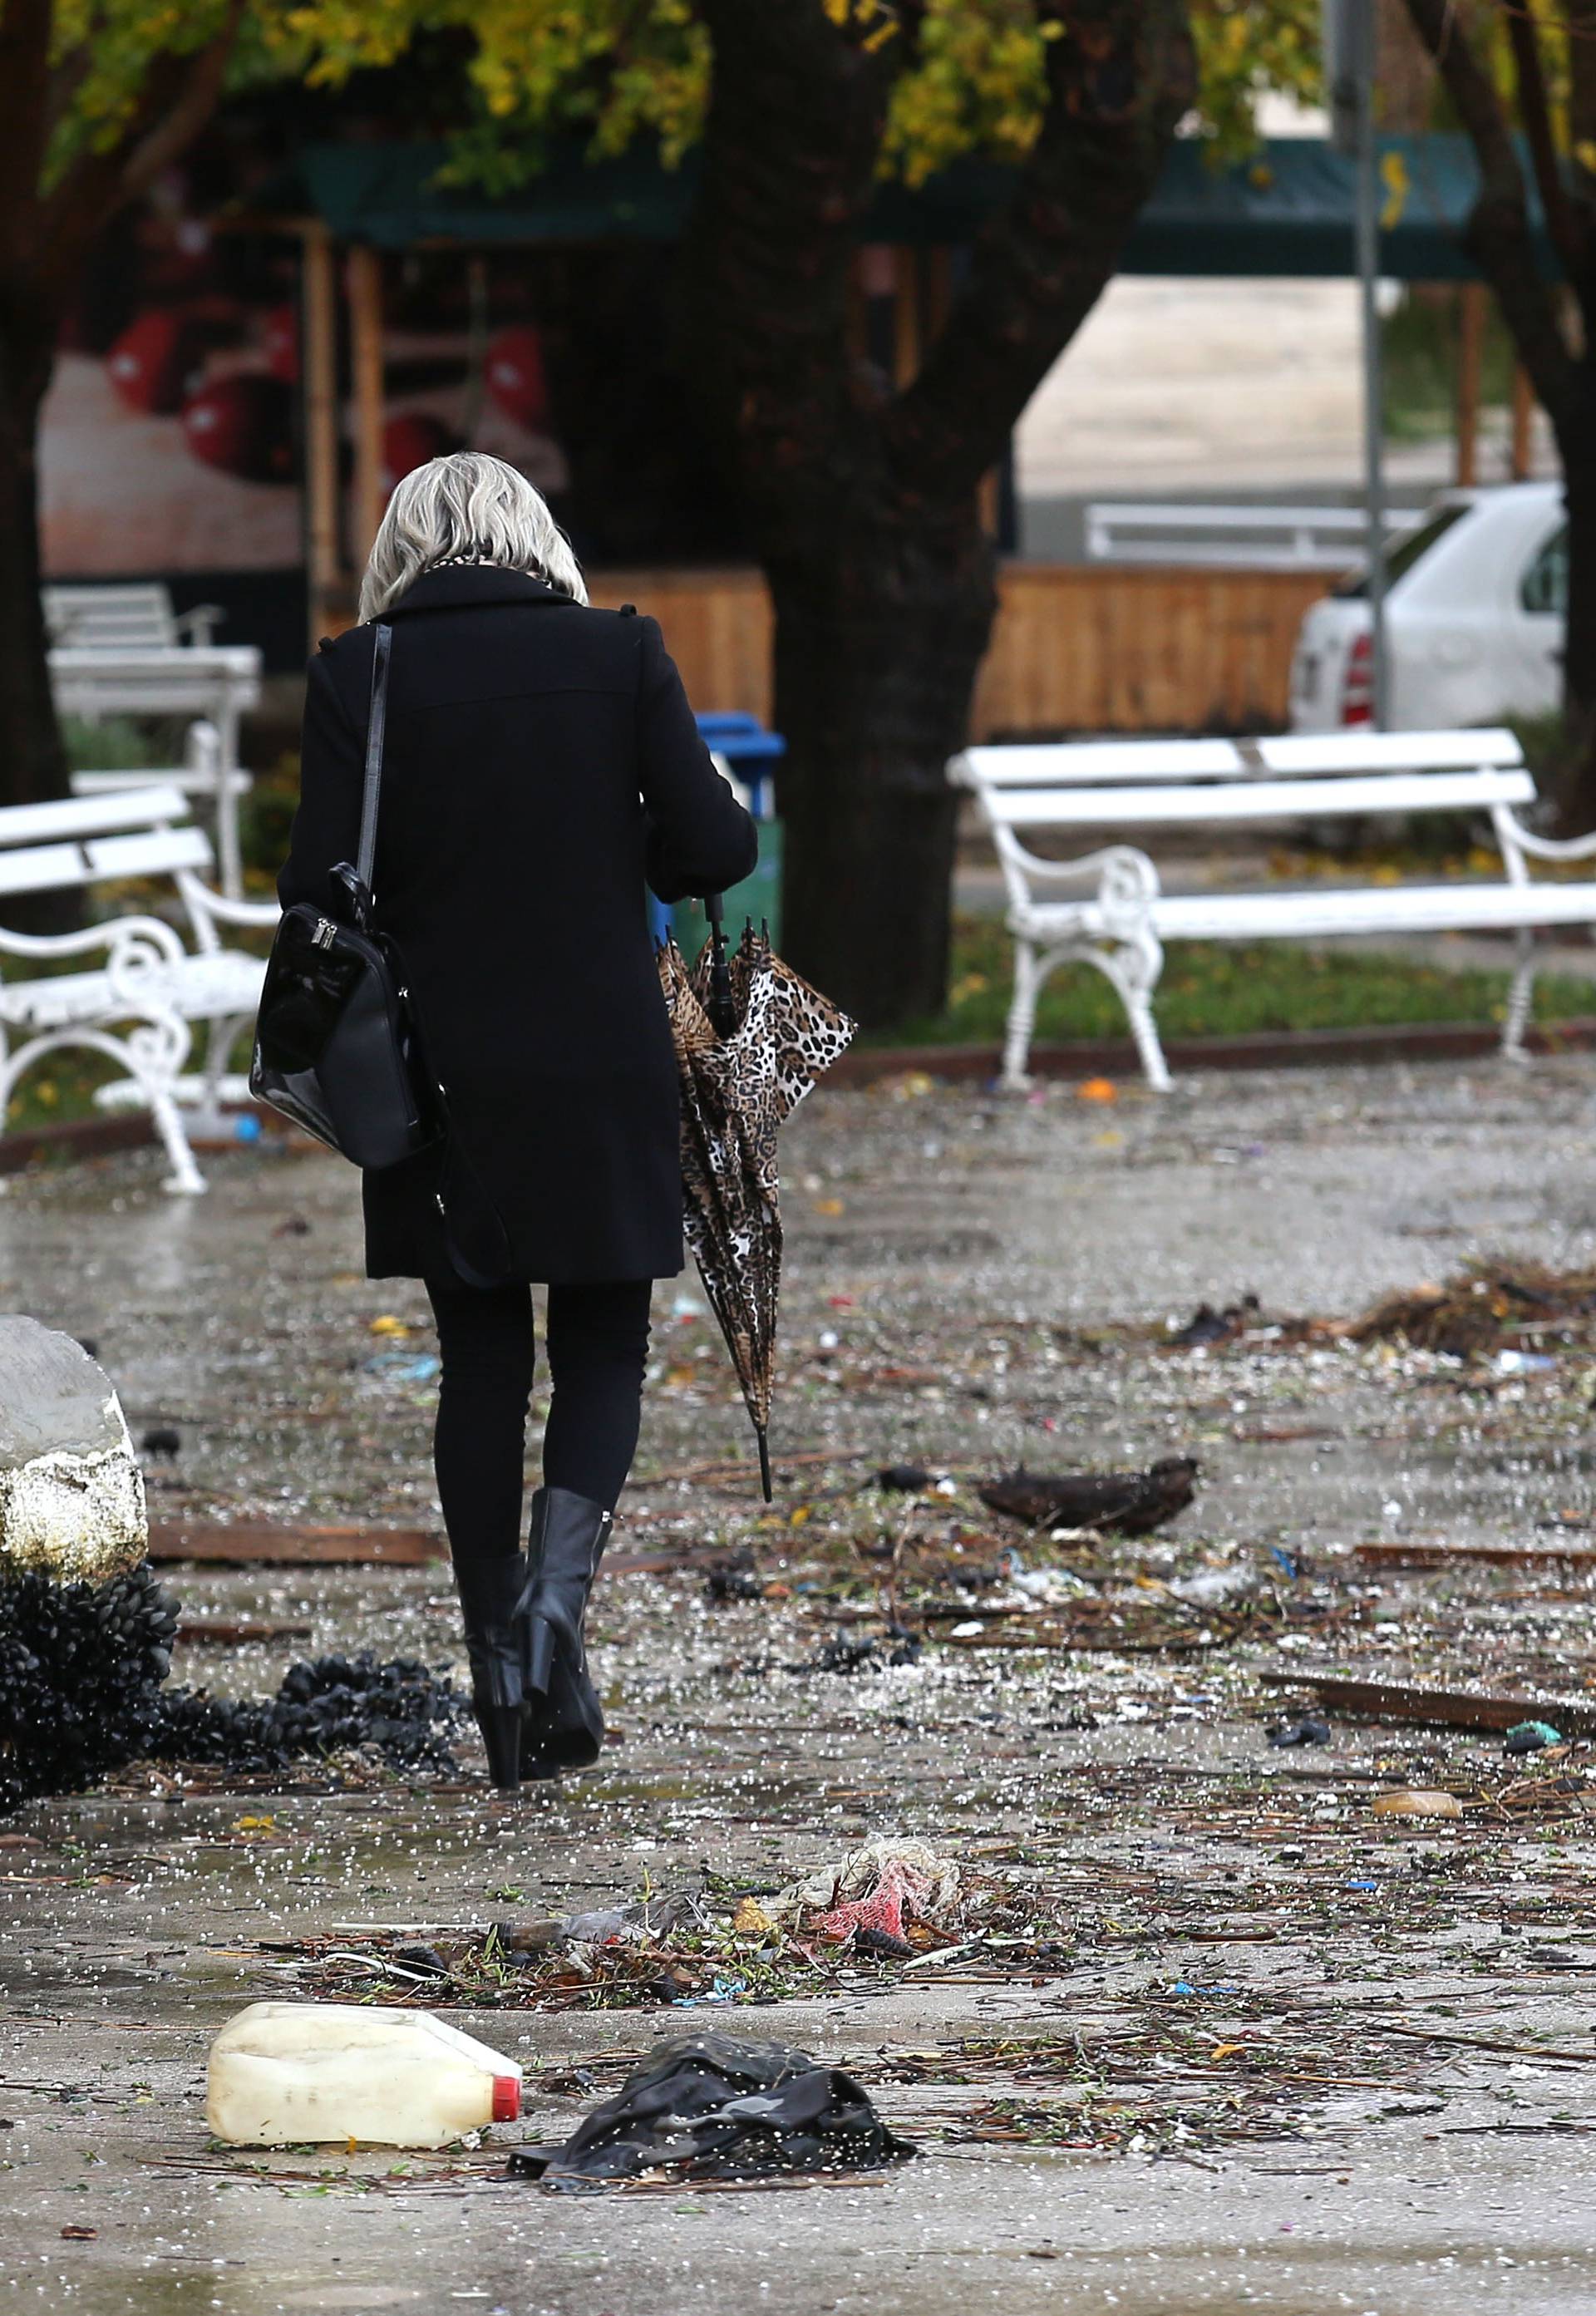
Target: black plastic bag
<point>712,2107</point>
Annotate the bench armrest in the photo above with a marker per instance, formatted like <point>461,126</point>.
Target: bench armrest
<point>199,621</point>
<point>1126,880</point>
<point>207,908</point>
<point>1513,836</point>
<point>122,935</point>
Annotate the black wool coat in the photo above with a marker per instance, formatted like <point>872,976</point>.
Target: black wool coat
<point>542,761</point>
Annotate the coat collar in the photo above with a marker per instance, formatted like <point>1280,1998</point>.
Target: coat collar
<point>458,586</point>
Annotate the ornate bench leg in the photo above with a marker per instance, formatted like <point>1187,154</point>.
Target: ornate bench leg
<point>1022,1016</point>
<point>1134,970</point>
<point>156,1050</point>
<point>1520,998</point>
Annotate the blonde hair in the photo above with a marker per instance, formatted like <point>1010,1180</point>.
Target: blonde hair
<point>466,508</point>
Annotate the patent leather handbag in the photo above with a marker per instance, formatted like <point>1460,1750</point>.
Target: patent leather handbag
<point>336,1046</point>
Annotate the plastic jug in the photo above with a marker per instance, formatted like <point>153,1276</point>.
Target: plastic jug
<point>282,2073</point>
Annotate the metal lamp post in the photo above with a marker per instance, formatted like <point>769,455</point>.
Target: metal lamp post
<point>1350,77</point>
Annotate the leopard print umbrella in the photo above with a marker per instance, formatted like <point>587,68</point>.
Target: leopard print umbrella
<point>735,1091</point>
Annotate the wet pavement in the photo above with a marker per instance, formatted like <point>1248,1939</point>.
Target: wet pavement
<point>1249,2042</point>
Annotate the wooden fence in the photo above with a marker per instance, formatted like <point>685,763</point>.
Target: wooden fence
<point>1083,647</point>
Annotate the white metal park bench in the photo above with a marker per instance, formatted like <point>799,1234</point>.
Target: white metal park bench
<point>124,615</point>
<point>214,682</point>
<point>140,999</point>
<point>1121,919</point>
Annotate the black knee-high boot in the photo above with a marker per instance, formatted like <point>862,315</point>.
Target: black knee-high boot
<point>565,1721</point>
<point>489,1591</point>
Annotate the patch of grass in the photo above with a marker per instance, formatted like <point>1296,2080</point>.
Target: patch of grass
<point>1216,990</point>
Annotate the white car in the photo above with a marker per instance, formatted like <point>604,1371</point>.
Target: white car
<point>1474,621</point>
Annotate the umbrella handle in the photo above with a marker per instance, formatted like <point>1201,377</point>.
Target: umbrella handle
<point>722,1012</point>
<point>765,1467</point>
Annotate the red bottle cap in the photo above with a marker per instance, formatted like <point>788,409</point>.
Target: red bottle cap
<point>507,2099</point>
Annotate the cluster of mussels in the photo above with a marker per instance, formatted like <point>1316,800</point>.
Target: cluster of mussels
<point>83,1669</point>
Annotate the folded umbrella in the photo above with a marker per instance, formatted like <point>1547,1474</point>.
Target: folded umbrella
<point>752,1037</point>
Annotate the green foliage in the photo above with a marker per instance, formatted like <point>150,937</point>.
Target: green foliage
<point>1216,990</point>
<point>971,79</point>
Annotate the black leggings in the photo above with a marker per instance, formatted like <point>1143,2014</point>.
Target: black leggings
<point>598,1342</point>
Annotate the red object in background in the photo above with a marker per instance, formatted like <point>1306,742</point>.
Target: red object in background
<point>280,341</point>
<point>515,378</point>
<point>244,424</point>
<point>409,441</point>
<point>1357,698</point>
<point>150,363</point>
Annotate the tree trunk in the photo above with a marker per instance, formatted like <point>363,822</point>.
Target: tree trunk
<point>1576,787</point>
<point>877,642</point>
<point>32,763</point>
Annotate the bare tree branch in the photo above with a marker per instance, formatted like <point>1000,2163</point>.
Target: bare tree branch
<point>1498,236</point>
<point>1570,232</point>
<point>1119,76</point>
<point>179,96</point>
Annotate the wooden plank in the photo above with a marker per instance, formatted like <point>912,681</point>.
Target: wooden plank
<point>319,324</point>
<point>1076,647</point>
<point>1437,1708</point>
<point>365,347</point>
<point>1416,1553</point>
<point>266,1544</point>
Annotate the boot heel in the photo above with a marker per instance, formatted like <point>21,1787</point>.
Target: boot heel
<point>541,1640</point>
<point>500,1726</point>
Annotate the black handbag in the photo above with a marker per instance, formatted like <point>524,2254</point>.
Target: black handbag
<point>336,1047</point>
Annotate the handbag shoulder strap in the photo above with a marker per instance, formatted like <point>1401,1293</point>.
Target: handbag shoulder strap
<point>376,725</point>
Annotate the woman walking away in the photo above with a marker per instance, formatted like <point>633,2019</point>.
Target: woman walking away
<point>540,761</point>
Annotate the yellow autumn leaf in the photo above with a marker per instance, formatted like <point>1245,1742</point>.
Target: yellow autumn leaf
<point>389,1325</point>
<point>829,1207</point>
<point>1225,2050</point>
<point>1394,176</point>
<point>751,1920</point>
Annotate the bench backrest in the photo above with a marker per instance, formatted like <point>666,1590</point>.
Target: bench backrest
<point>46,848</point>
<point>1257,799</point>
<point>137,618</point>
<point>1088,763</point>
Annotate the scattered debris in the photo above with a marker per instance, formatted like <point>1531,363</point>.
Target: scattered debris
<point>1530,1737</point>
<point>1421,1552</point>
<point>711,2106</point>
<point>263,1543</point>
<point>162,1441</point>
<point>1433,1708</point>
<point>904,1479</point>
<point>1418,1802</point>
<point>1309,1730</point>
<point>1130,1503</point>
<point>1207,1326</point>
<point>885,1886</point>
<point>1479,1309</point>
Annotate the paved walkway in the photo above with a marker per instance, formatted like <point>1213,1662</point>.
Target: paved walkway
<point>1262,2047</point>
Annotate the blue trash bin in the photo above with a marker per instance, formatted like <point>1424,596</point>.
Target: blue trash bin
<point>750,752</point>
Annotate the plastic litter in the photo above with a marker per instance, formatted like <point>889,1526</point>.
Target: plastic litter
<point>1308,1731</point>
<point>285,2073</point>
<point>1530,1737</point>
<point>876,1888</point>
<point>713,2106</point>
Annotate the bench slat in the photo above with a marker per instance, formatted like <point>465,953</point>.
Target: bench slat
<point>156,852</point>
<point>1415,792</point>
<point>1343,752</point>
<point>1392,908</point>
<point>45,869</point>
<point>1061,764</point>
<point>136,807</point>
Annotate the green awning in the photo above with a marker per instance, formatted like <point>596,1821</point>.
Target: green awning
<point>1287,211</point>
